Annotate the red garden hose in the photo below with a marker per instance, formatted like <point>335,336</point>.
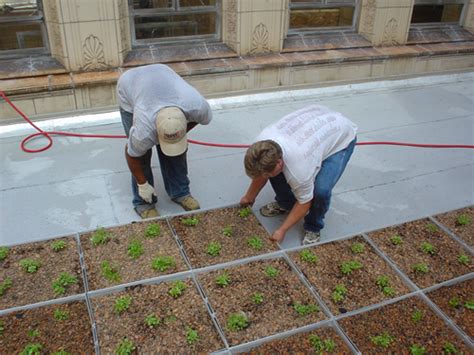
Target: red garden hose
<point>48,135</point>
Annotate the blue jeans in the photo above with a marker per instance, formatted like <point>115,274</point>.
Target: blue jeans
<point>331,170</point>
<point>174,170</point>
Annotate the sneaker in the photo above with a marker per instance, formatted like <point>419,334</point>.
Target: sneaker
<point>311,237</point>
<point>272,209</point>
<point>189,203</point>
<point>146,213</point>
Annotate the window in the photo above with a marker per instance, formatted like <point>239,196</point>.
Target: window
<point>437,11</point>
<point>22,28</point>
<point>317,15</point>
<point>174,20</point>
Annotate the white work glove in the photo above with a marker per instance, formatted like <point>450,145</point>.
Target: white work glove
<point>146,192</point>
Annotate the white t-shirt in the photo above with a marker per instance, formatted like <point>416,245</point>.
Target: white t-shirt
<point>145,90</point>
<point>307,137</point>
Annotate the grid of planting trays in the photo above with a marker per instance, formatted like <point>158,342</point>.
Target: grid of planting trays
<point>212,282</point>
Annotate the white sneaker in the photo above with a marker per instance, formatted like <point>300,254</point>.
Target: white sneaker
<point>311,237</point>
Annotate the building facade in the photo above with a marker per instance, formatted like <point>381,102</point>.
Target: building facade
<point>58,56</point>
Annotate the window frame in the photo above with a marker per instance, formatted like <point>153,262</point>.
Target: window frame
<point>178,10</point>
<point>324,4</point>
<point>37,19</point>
<point>440,24</point>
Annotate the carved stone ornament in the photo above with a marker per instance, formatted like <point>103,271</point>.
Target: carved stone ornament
<point>260,40</point>
<point>390,33</point>
<point>231,20</point>
<point>93,53</point>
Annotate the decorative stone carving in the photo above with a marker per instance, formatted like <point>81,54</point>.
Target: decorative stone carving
<point>231,20</point>
<point>369,18</point>
<point>390,33</point>
<point>260,40</point>
<point>93,54</point>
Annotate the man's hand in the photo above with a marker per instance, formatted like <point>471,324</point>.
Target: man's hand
<point>146,192</point>
<point>246,201</point>
<point>278,236</point>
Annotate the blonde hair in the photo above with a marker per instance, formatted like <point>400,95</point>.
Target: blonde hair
<point>261,157</point>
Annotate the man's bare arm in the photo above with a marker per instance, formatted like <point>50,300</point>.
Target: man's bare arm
<point>135,166</point>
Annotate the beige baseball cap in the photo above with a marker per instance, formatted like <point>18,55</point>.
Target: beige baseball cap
<point>171,126</point>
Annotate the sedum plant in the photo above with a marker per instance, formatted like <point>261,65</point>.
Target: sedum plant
<point>384,284</point>
<point>177,289</point>
<point>60,314</point>
<point>214,248</point>
<point>100,237</point>
<point>417,316</point>
<point>190,221</point>
<point>432,228</point>
<point>416,349</point>
<point>152,321</point>
<point>320,345</point>
<point>349,266</point>
<point>135,249</point>
<point>463,220</point>
<point>163,263</point>
<point>32,349</point>
<point>384,340</point>
<point>153,230</point>
<point>30,265</point>
<point>245,212</point>
<point>396,239</point>
<point>3,253</point>
<point>223,279</point>
<point>5,285</point>
<point>308,256</point>
<point>237,321</point>
<point>228,231</point>
<point>305,309</point>
<point>339,293</point>
<point>58,245</point>
<point>420,268</point>
<point>357,248</point>
<point>463,259</point>
<point>271,272</point>
<point>428,248</point>
<point>255,242</point>
<point>126,347</point>
<point>110,272</point>
<point>469,304</point>
<point>192,336</point>
<point>455,302</point>
<point>257,298</point>
<point>449,348</point>
<point>122,304</point>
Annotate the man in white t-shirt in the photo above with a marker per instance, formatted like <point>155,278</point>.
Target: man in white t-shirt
<point>303,155</point>
<point>158,108</point>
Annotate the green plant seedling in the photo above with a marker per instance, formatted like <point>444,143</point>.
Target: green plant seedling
<point>417,316</point>
<point>257,298</point>
<point>5,285</point>
<point>153,230</point>
<point>152,321</point>
<point>320,346</point>
<point>214,248</point>
<point>177,289</point>
<point>100,237</point>
<point>245,212</point>
<point>171,319</point>
<point>416,349</point>
<point>61,283</point>
<point>349,266</point>
<point>237,321</point>
<point>60,314</point>
<point>223,279</point>
<point>449,348</point>
<point>455,302</point>
<point>122,304</point>
<point>271,272</point>
<point>135,249</point>
<point>255,242</point>
<point>33,333</point>
<point>30,265</point>
<point>339,293</point>
<point>308,256</point>
<point>110,272</point>
<point>126,347</point>
<point>3,253</point>
<point>357,248</point>
<point>192,336</point>
<point>58,245</point>
<point>463,220</point>
<point>432,228</point>
<point>383,281</point>
<point>329,345</point>
<point>388,291</point>
<point>420,268</point>
<point>384,340</point>
<point>32,349</point>
<point>163,263</point>
<point>396,239</point>
<point>464,259</point>
<point>428,248</point>
<point>190,221</point>
<point>228,231</point>
<point>469,305</point>
<point>305,309</point>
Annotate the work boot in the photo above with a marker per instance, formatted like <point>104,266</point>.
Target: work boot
<point>145,213</point>
<point>189,203</point>
<point>272,209</point>
<point>311,237</point>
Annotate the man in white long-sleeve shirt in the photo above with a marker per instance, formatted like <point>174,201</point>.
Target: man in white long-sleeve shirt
<point>303,155</point>
<point>158,108</point>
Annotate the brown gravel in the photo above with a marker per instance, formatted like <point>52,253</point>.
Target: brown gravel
<point>73,335</point>
<point>465,232</point>
<point>210,229</point>
<point>169,337</point>
<point>34,287</point>
<point>361,286</point>
<point>442,266</point>
<point>115,251</point>
<point>463,292</point>
<point>275,314</point>
<point>300,344</point>
<point>396,319</point>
